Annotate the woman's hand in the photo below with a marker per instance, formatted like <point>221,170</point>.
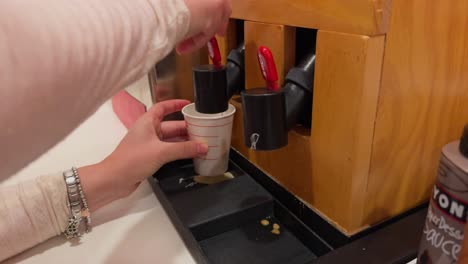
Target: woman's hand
<point>208,17</point>
<point>148,145</point>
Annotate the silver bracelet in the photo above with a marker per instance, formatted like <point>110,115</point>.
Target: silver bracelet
<point>85,209</point>
<point>74,203</point>
<point>77,204</point>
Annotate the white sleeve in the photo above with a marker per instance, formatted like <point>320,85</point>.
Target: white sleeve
<point>60,60</point>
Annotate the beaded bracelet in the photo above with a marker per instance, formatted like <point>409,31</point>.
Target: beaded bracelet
<point>85,209</point>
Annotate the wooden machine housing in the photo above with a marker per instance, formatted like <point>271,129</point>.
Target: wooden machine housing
<point>390,90</point>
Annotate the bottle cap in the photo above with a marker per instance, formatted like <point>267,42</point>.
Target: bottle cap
<point>210,84</point>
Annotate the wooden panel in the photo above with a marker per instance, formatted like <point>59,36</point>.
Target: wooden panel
<point>282,42</point>
<point>351,16</point>
<point>463,258</point>
<point>423,102</point>
<point>296,176</point>
<point>347,80</point>
<point>329,169</point>
<point>289,166</point>
<point>229,41</point>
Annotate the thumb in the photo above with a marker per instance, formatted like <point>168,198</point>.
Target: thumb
<point>183,150</point>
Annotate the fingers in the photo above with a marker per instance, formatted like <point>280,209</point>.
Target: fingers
<point>177,139</point>
<point>172,129</point>
<point>223,29</point>
<point>228,5</point>
<point>185,46</point>
<point>161,109</point>
<point>182,150</point>
<point>194,43</point>
<point>227,11</point>
<point>214,20</point>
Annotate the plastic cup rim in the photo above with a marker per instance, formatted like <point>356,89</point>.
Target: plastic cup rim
<point>226,114</point>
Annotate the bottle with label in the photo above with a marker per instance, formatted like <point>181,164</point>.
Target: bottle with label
<point>443,233</point>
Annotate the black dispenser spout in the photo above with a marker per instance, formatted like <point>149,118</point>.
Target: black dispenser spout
<point>270,114</point>
<point>215,84</point>
<point>298,93</point>
<point>235,71</point>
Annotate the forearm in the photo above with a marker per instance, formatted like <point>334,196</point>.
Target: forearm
<point>102,184</point>
<point>32,212</point>
<point>62,59</point>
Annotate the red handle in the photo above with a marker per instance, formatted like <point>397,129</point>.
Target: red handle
<point>214,53</point>
<point>268,67</point>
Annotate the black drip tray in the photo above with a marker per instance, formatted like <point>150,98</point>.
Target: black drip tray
<point>226,219</point>
<point>254,243</point>
<point>222,223</point>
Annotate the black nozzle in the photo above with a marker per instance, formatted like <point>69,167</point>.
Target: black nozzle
<point>210,84</point>
<point>235,71</point>
<point>298,92</point>
<point>264,119</point>
<point>296,98</point>
<point>303,74</point>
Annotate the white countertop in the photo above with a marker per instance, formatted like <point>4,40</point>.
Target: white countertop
<point>132,230</point>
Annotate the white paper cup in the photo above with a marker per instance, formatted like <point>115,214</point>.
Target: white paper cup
<point>215,130</point>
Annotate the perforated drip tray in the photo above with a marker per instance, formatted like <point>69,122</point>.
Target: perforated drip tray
<point>239,221</point>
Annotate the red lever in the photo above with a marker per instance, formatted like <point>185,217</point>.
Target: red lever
<point>268,67</point>
<point>214,53</point>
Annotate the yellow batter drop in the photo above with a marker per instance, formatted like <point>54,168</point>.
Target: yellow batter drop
<point>264,222</point>
<point>213,179</point>
<point>276,226</point>
<point>275,231</point>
